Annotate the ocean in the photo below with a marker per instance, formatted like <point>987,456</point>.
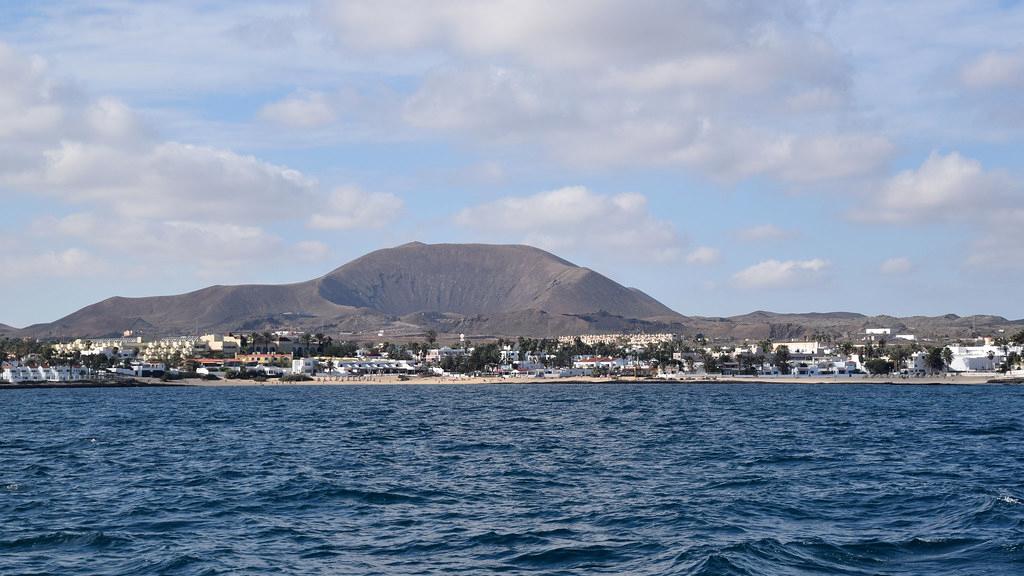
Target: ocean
<point>513,479</point>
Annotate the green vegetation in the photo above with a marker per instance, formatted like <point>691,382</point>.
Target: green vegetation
<point>781,359</point>
<point>21,347</point>
<point>1013,361</point>
<point>878,366</point>
<point>935,360</point>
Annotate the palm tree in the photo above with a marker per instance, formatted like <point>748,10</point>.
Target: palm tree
<point>947,357</point>
<point>254,342</point>
<point>900,355</point>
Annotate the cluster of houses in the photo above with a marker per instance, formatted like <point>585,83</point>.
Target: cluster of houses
<point>815,359</point>
<point>276,365</point>
<point>132,347</point>
<point>627,340</point>
<point>13,372</point>
<point>221,356</point>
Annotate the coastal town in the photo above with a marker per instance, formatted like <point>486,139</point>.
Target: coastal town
<point>286,356</point>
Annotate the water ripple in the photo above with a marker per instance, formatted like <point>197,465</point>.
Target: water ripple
<point>546,479</point>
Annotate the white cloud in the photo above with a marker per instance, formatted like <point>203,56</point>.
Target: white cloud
<point>140,198</point>
<point>765,232</point>
<point>829,156</point>
<point>780,274</point>
<point>911,84</point>
<point>576,218</point>
<point>168,178</point>
<point>300,110</point>
<point>180,49</point>
<point>998,249</point>
<point>312,250</point>
<point>663,84</point>
<point>570,34</point>
<point>206,246</point>
<point>503,106</point>
<point>614,83</point>
<point>29,101</point>
<point>99,152</point>
<point>112,122</point>
<point>703,255</point>
<point>212,251</point>
<point>952,188</point>
<point>27,266</point>
<point>818,99</point>
<point>896,265</point>
<point>349,207</point>
<point>948,186</point>
<point>995,70</point>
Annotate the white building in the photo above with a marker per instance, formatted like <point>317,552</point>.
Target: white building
<point>561,373</point>
<point>13,373</point>
<point>632,340</point>
<point>372,366</point>
<point>306,366</point>
<point>437,355</point>
<point>218,371</point>
<point>802,348</point>
<point>220,343</point>
<point>826,367</point>
<point>184,347</point>
<point>917,364</point>
<point>876,333</point>
<point>125,347</point>
<point>979,358</point>
<point>141,370</point>
<point>598,362</point>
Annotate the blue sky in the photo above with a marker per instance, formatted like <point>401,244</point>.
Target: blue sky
<point>724,157</point>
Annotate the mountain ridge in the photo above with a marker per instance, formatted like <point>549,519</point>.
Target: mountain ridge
<point>477,289</point>
<point>468,280</point>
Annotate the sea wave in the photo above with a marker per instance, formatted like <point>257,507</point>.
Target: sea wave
<point>531,479</point>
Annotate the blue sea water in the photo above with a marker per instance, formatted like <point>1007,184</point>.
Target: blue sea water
<point>513,479</point>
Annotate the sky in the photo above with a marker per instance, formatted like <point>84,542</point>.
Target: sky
<point>724,156</point>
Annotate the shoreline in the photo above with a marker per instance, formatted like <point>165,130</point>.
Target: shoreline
<point>392,380</point>
<point>141,383</point>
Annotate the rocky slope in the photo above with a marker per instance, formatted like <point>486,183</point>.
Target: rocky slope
<point>476,289</point>
<point>414,287</point>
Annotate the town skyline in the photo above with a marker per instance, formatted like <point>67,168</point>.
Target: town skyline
<point>797,157</point>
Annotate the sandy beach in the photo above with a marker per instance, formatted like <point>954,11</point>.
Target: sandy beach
<point>391,380</point>
<point>394,380</point>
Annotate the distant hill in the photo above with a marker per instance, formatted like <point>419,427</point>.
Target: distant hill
<point>414,287</point>
<point>477,289</point>
<point>839,325</point>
